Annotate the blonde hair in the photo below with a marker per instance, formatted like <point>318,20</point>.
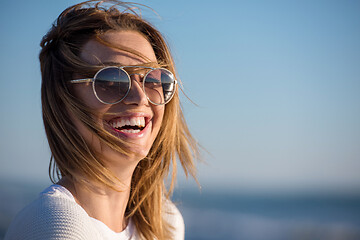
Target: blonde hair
<point>71,155</point>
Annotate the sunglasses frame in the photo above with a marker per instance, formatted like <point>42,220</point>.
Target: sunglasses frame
<point>92,80</point>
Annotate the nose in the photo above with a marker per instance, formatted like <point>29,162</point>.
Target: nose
<point>136,94</point>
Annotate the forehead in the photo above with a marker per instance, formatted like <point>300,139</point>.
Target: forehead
<point>97,53</point>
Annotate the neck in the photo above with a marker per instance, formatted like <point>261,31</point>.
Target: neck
<point>101,202</point>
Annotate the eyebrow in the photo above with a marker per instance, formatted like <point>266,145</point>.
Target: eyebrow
<point>112,64</point>
<point>152,64</point>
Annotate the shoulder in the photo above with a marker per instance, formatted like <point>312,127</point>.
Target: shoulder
<point>53,215</point>
<point>173,216</point>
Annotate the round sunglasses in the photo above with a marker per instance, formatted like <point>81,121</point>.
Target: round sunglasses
<point>112,84</point>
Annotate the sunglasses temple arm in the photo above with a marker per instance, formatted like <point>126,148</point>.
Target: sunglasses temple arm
<point>84,80</point>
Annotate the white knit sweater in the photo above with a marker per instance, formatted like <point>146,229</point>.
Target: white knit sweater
<point>55,215</point>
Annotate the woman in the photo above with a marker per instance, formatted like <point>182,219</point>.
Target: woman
<point>115,128</point>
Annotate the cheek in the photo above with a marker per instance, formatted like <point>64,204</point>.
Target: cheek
<point>85,93</point>
<point>159,114</point>
<point>88,136</point>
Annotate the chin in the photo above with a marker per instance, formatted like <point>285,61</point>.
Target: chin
<point>138,154</point>
<point>134,154</point>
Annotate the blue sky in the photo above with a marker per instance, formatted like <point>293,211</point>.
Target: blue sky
<point>277,84</point>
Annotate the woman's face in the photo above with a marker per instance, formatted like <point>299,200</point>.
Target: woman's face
<point>135,109</point>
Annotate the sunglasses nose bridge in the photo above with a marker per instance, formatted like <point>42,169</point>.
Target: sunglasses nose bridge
<point>133,77</point>
<point>136,74</point>
<point>136,92</point>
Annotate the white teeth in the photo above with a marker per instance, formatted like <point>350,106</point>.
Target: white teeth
<point>122,122</point>
<point>125,121</point>
<point>137,122</point>
<point>130,130</point>
<point>133,122</point>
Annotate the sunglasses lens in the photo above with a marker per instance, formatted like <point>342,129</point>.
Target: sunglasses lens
<point>111,84</point>
<point>159,85</point>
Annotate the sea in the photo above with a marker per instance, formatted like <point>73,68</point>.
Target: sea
<point>212,215</point>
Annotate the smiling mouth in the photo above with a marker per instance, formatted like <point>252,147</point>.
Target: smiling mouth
<point>128,124</point>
